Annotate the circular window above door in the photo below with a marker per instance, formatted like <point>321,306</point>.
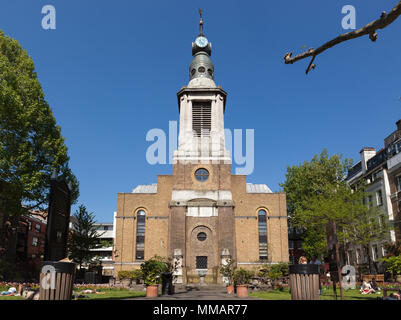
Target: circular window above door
<point>201,175</point>
<point>201,236</point>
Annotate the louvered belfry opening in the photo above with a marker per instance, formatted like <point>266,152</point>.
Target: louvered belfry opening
<point>201,119</point>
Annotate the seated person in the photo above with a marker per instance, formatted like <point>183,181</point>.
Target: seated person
<point>374,286</point>
<point>366,288</point>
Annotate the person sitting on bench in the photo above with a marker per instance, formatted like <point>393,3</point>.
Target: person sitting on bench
<point>374,286</point>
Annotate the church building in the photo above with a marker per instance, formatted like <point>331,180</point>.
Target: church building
<point>201,215</point>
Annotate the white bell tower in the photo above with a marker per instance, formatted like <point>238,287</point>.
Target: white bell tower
<point>201,105</point>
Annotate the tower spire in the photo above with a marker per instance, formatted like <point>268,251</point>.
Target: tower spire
<point>200,23</point>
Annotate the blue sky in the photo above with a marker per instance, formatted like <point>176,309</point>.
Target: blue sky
<point>111,71</point>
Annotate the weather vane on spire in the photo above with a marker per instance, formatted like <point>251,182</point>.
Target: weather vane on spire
<point>201,22</point>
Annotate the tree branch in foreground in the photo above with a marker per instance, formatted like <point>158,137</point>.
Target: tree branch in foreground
<point>369,29</point>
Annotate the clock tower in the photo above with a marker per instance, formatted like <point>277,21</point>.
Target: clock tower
<point>201,105</point>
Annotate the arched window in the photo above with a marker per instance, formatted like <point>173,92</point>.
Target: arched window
<point>140,235</point>
<point>262,228</point>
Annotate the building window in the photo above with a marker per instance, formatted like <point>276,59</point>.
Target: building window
<point>106,228</point>
<point>140,235</point>
<point>379,198</point>
<point>383,251</point>
<point>262,229</point>
<point>59,236</point>
<point>35,241</point>
<point>375,252</point>
<point>398,182</point>
<point>358,256</point>
<point>201,175</point>
<point>370,200</point>
<point>291,244</point>
<point>37,228</point>
<point>201,262</point>
<point>201,119</point>
<point>201,236</point>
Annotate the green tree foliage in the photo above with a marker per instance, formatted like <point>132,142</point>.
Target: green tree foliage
<point>31,144</point>
<point>393,264</point>
<point>311,190</point>
<point>84,237</point>
<point>318,193</point>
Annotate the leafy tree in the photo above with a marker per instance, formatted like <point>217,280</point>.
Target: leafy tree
<point>317,193</point>
<point>84,237</point>
<point>31,144</point>
<point>367,227</point>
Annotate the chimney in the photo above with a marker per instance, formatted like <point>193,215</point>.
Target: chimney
<point>366,154</point>
<point>398,124</point>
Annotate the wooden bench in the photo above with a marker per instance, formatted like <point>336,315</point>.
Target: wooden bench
<point>378,277</point>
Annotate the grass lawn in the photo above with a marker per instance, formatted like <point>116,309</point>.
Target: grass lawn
<point>114,294</point>
<point>109,294</point>
<point>11,298</point>
<point>327,294</point>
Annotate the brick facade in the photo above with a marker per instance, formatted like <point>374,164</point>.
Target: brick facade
<point>169,227</point>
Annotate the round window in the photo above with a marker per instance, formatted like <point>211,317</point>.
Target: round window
<point>201,69</point>
<point>201,174</point>
<point>201,236</point>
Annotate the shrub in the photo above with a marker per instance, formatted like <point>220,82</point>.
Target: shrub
<point>393,264</point>
<point>132,275</point>
<point>152,269</point>
<point>278,270</point>
<point>242,277</point>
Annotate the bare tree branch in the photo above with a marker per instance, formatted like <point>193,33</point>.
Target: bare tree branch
<point>369,29</point>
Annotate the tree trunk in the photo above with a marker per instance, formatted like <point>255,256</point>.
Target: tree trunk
<point>368,254</point>
<point>12,239</point>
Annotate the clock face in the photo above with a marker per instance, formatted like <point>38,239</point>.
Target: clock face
<point>201,42</point>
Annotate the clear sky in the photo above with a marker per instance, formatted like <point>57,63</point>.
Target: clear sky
<point>111,71</point>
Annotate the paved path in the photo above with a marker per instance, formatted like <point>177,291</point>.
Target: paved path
<point>199,293</point>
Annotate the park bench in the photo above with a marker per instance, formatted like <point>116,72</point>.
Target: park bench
<point>378,277</point>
